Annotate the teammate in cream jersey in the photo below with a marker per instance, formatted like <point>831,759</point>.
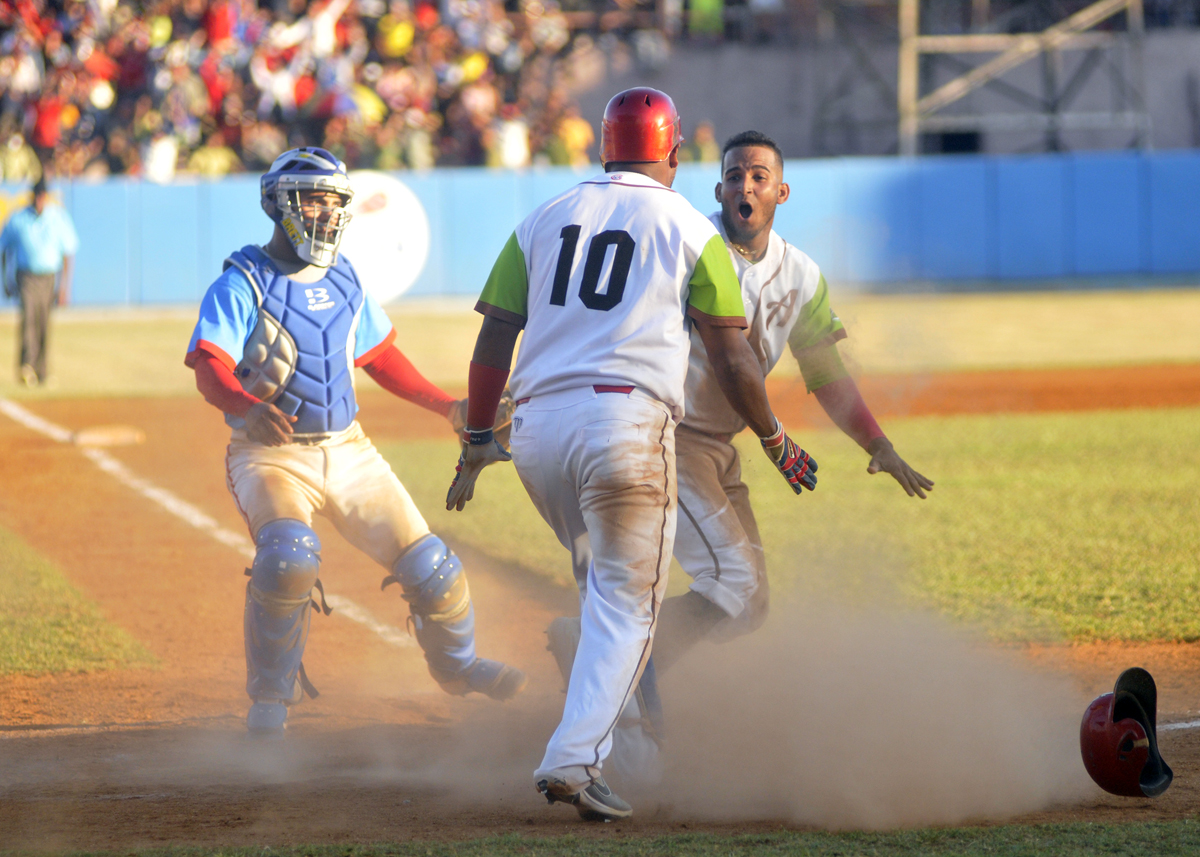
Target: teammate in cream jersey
<point>601,279</point>
<point>787,307</point>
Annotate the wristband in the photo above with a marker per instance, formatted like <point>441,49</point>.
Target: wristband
<point>478,437</point>
<point>775,438</point>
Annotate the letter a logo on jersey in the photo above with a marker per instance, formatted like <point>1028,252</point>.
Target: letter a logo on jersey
<point>783,308</point>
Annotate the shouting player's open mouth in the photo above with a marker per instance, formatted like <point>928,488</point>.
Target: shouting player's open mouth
<point>745,210</point>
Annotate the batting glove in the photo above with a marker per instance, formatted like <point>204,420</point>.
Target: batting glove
<point>793,462</point>
<point>480,448</point>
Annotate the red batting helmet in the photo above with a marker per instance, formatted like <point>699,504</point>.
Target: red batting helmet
<point>640,125</point>
<point>1119,741</point>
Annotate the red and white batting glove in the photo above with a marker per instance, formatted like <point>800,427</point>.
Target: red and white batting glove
<point>480,448</point>
<point>793,462</point>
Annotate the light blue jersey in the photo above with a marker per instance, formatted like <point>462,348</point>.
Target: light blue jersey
<point>229,313</point>
<point>38,243</point>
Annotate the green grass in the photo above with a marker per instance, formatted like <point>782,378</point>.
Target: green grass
<point>1042,527</point>
<point>1152,839</point>
<point>48,626</point>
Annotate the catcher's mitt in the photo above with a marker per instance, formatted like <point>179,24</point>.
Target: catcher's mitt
<point>502,428</point>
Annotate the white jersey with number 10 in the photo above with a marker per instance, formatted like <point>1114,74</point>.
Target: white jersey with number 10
<point>601,278</point>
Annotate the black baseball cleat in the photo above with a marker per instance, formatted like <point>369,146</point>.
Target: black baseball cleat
<point>595,803</point>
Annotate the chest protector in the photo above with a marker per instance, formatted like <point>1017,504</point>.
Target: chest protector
<point>300,355</point>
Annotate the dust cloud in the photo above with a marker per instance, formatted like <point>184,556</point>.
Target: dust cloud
<point>829,717</point>
<point>843,718</point>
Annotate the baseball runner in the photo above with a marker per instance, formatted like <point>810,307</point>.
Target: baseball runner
<point>601,279</point>
<point>280,333</point>
<point>717,543</point>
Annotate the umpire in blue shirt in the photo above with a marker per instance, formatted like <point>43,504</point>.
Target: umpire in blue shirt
<point>38,244</point>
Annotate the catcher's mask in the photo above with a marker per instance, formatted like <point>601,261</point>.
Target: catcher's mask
<point>640,125</point>
<point>314,229</point>
<point>1119,741</point>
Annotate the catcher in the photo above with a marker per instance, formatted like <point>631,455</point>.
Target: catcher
<point>280,333</point>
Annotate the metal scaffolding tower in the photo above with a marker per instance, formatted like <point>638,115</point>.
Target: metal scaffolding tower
<point>863,107</point>
<point>1050,111</point>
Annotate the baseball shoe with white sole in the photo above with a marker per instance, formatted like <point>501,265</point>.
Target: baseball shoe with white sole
<point>597,802</point>
<point>637,738</point>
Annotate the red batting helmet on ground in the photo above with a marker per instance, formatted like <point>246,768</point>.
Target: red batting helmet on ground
<point>640,125</point>
<point>1119,740</point>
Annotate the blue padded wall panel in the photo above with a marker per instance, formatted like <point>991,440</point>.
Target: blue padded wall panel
<point>1174,221</point>
<point>867,220</point>
<point>107,267</point>
<point>877,220</point>
<point>1031,218</point>
<point>954,220</point>
<point>233,218</point>
<point>1110,212</point>
<point>169,220</point>
<point>426,186</point>
<point>480,208</point>
<point>811,218</point>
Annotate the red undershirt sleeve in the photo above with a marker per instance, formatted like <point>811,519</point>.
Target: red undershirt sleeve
<point>844,403</point>
<point>219,387</point>
<point>396,374</point>
<point>485,387</point>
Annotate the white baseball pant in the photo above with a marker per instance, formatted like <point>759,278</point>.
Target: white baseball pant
<point>600,468</point>
<point>718,544</point>
<point>343,478</point>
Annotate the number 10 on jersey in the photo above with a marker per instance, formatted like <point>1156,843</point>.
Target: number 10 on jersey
<point>589,291</point>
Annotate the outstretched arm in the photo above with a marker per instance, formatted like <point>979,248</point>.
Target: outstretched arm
<point>844,404</point>
<point>490,365</point>
<point>396,374</point>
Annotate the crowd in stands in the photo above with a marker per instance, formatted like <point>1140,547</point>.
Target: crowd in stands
<point>153,88</point>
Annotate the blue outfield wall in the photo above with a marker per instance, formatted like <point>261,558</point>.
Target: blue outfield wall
<point>877,222</point>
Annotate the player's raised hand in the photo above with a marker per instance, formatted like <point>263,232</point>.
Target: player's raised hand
<point>793,462</point>
<point>884,458</point>
<point>480,448</point>
<point>268,425</point>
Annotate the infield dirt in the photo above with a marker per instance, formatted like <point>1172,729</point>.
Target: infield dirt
<point>125,758</point>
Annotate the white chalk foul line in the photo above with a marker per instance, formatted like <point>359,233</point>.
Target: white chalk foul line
<point>1171,727</point>
<point>193,516</point>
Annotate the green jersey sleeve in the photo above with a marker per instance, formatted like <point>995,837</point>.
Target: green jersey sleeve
<point>506,293</point>
<point>813,340</point>
<point>817,323</point>
<point>714,291</point>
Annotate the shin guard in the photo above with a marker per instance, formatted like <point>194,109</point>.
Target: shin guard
<point>278,608</point>
<point>432,581</point>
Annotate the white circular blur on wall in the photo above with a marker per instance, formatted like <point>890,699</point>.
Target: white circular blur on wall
<point>388,239</point>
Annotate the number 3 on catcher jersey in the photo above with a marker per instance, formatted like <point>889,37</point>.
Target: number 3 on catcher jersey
<point>589,289</point>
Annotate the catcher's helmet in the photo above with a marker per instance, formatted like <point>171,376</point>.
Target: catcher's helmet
<point>317,234</point>
<point>1119,741</point>
<point>640,125</point>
